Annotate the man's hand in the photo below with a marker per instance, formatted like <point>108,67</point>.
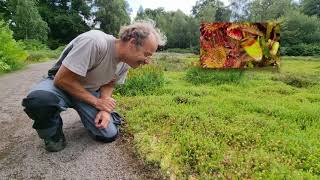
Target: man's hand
<point>105,104</point>
<point>102,120</point>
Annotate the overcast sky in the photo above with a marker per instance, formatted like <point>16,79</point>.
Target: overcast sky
<point>168,5</point>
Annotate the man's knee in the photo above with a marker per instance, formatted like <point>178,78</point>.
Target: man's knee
<point>40,104</point>
<point>107,136</point>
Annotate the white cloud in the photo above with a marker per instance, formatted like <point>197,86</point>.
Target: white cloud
<point>168,5</point>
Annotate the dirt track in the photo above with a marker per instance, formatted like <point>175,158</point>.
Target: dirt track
<point>22,155</point>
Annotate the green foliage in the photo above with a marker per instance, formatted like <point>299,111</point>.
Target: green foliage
<point>301,50</point>
<point>181,30</point>
<point>75,25</point>
<point>142,81</point>
<point>32,44</point>
<point>65,18</point>
<point>197,75</point>
<point>311,7</point>
<point>43,55</point>
<point>39,52</point>
<point>210,11</point>
<point>298,28</point>
<point>112,14</point>
<point>263,10</point>
<point>4,12</point>
<point>262,128</point>
<point>27,23</point>
<point>12,54</point>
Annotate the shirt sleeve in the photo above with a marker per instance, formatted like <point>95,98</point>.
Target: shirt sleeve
<point>122,74</point>
<point>82,56</point>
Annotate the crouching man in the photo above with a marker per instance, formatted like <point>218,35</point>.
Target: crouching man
<point>84,78</point>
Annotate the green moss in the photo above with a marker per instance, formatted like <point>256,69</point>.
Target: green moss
<point>249,126</point>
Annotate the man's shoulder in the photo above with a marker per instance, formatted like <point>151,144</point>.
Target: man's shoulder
<point>97,35</point>
<point>98,38</point>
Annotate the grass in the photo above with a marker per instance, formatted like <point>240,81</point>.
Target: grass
<point>142,81</point>
<point>253,124</point>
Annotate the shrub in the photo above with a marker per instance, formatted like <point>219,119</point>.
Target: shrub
<point>142,81</point>
<point>301,50</point>
<point>40,52</point>
<point>33,45</point>
<point>43,55</point>
<point>12,55</point>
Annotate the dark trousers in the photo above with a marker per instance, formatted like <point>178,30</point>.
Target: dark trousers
<point>45,102</point>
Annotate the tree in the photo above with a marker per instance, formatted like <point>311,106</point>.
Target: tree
<point>4,10</point>
<point>140,13</point>
<point>111,15</point>
<point>27,23</point>
<point>178,37</point>
<point>182,31</point>
<point>299,28</point>
<point>193,32</point>
<point>66,19</point>
<point>311,7</point>
<point>211,10</point>
<point>239,10</point>
<point>207,14</point>
<point>263,10</point>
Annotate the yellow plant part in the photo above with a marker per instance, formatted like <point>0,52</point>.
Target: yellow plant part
<point>253,49</point>
<point>274,48</point>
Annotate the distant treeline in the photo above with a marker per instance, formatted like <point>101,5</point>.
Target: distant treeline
<point>56,22</point>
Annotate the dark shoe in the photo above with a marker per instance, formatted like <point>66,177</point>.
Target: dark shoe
<point>102,139</point>
<point>55,143</point>
<point>117,119</point>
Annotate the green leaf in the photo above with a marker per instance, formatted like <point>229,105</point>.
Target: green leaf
<point>253,49</point>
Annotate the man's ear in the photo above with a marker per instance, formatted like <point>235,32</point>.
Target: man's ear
<point>132,42</point>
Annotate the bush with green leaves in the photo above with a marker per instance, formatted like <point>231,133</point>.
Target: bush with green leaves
<point>298,28</point>
<point>301,50</point>
<point>33,45</point>
<point>12,55</point>
<point>142,81</point>
<point>39,52</point>
<point>43,55</point>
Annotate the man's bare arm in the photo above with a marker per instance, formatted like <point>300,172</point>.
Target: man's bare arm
<point>106,90</point>
<point>103,118</point>
<point>69,81</point>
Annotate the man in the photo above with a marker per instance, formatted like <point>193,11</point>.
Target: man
<point>84,78</point>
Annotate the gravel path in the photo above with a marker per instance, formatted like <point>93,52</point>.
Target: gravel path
<point>22,155</point>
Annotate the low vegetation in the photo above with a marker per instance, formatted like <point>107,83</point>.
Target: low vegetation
<point>257,123</point>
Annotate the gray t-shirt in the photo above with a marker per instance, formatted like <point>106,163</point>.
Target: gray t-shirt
<point>92,56</point>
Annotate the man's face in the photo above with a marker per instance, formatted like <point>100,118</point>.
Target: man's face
<point>140,55</point>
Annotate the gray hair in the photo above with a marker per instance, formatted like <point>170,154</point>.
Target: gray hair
<point>140,30</point>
